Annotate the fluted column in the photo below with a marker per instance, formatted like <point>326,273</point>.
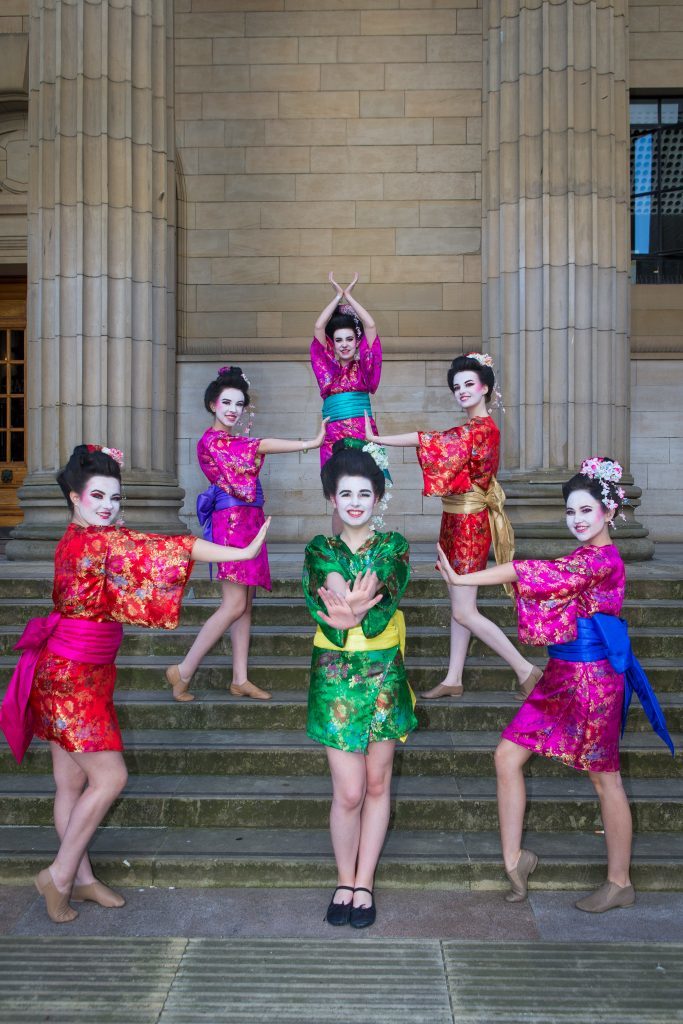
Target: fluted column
<point>101,305</point>
<point>556,245</point>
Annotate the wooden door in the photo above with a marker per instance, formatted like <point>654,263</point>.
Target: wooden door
<point>12,398</point>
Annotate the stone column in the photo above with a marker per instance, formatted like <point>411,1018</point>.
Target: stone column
<point>101,275</point>
<point>556,248</point>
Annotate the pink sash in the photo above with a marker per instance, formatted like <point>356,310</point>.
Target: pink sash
<point>95,643</point>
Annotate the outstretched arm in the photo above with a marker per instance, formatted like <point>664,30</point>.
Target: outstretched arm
<point>205,551</point>
<point>492,577</point>
<point>282,445</point>
<point>329,309</point>
<point>369,325</point>
<point>392,440</point>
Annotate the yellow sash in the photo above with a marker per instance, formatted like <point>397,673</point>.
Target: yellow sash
<point>394,635</point>
<point>476,500</point>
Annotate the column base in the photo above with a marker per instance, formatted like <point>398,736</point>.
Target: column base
<point>151,504</point>
<point>534,505</point>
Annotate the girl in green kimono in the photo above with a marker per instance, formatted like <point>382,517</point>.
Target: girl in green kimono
<point>359,700</point>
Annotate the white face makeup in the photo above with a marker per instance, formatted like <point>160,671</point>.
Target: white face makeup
<point>354,500</point>
<point>587,518</point>
<point>99,503</point>
<point>228,407</point>
<point>468,390</point>
<point>345,345</point>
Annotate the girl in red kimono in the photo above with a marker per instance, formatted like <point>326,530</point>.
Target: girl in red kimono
<point>62,689</point>
<point>459,465</point>
<point>575,713</point>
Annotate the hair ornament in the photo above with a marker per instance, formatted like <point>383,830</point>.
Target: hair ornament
<point>347,309</point>
<point>114,453</point>
<point>484,359</point>
<point>379,456</point>
<point>225,370</point>
<point>606,472</point>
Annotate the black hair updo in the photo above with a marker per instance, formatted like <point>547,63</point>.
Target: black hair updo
<point>351,462</point>
<point>581,482</point>
<point>343,321</point>
<point>464,364</point>
<point>228,377</point>
<point>81,467</point>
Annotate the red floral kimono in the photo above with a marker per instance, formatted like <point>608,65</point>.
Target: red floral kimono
<point>103,575</point>
<point>452,461</point>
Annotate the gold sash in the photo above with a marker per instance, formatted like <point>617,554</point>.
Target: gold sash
<point>356,640</point>
<point>476,500</point>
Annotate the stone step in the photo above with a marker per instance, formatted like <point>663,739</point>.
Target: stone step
<point>642,585</point>
<point>565,804</point>
<point>158,856</point>
<point>291,753</point>
<point>481,674</point>
<point>487,712</point>
<point>276,612</point>
<point>293,641</point>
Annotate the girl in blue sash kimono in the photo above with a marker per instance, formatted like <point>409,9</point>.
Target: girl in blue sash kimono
<point>577,709</point>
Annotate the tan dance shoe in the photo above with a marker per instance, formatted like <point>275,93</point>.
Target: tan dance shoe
<point>179,685</point>
<point>97,892</point>
<point>519,876</point>
<point>248,689</point>
<point>608,897</point>
<point>56,902</point>
<point>529,683</point>
<point>442,690</point>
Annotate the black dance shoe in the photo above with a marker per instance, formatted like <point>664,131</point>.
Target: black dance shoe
<point>363,917</point>
<point>339,913</point>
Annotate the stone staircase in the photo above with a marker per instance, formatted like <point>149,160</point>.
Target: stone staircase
<point>228,792</point>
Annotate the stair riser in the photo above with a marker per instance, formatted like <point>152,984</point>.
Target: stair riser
<point>454,716</point>
<point>286,762</point>
<point>484,875</point>
<point>313,812</point>
<point>174,645</point>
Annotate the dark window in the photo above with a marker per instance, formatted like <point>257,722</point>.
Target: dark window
<point>657,190</point>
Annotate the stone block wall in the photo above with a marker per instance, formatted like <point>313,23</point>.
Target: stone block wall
<point>14,15</point>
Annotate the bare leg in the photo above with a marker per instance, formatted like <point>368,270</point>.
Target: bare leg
<point>374,820</point>
<point>348,793</point>
<point>106,776</point>
<point>465,612</point>
<point>240,635</point>
<point>460,639</point>
<point>232,606</point>
<point>511,789</point>
<point>616,817</point>
<point>70,782</point>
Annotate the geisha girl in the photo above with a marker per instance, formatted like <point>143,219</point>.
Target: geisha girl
<point>459,465</point>
<point>62,688</point>
<point>575,712</point>
<point>359,700</point>
<point>231,512</point>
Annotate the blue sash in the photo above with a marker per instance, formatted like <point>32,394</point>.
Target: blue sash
<point>348,405</point>
<point>215,499</point>
<point>606,637</point>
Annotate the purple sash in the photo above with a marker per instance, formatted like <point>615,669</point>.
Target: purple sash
<point>215,499</point>
<point>78,639</point>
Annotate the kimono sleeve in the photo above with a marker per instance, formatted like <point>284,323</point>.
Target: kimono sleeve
<point>546,594</point>
<point>325,367</point>
<point>319,561</point>
<point>392,565</point>
<point>442,456</point>
<point>145,577</point>
<point>370,362</point>
<point>232,463</point>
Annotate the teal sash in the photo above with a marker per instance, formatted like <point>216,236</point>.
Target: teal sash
<point>347,406</point>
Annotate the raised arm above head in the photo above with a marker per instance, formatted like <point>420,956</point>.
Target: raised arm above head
<point>329,309</point>
<point>391,440</point>
<point>369,326</point>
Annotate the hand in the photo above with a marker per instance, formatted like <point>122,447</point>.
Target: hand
<point>360,595</point>
<point>339,291</point>
<point>320,436</point>
<point>257,542</point>
<point>446,570</point>
<point>349,288</point>
<point>369,433</point>
<point>340,615</point>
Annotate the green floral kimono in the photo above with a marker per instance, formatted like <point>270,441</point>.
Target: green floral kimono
<point>359,693</point>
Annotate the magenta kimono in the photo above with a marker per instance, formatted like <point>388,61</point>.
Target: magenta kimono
<point>346,390</point>
<point>233,507</point>
<point>574,712</point>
